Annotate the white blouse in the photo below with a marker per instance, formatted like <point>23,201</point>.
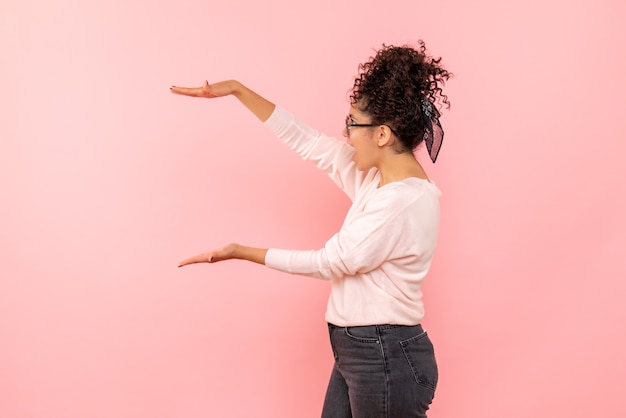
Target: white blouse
<point>378,260</point>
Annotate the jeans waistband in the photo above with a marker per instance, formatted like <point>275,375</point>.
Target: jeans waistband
<point>377,327</point>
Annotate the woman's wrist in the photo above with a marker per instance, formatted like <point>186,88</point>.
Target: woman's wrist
<point>261,107</point>
<point>237,253</point>
<point>243,252</point>
<point>236,88</point>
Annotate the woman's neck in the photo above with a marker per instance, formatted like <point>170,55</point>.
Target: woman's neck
<point>397,167</point>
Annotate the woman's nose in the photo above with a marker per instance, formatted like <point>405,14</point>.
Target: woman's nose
<point>346,135</point>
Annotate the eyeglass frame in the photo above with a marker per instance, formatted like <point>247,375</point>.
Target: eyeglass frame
<point>350,124</point>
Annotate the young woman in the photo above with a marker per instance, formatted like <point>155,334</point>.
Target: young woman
<point>384,361</point>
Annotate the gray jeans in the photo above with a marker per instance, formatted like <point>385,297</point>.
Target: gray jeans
<point>380,371</point>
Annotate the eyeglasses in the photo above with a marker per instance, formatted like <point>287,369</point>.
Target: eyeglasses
<point>350,124</point>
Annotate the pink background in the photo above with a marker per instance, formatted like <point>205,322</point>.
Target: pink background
<point>108,181</point>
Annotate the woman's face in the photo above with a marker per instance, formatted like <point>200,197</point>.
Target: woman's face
<point>360,134</point>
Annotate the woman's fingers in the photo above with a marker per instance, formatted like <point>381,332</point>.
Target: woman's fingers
<point>222,254</point>
<point>200,258</point>
<point>203,91</point>
<point>222,88</point>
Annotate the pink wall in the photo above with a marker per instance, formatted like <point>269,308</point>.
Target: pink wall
<point>108,181</point>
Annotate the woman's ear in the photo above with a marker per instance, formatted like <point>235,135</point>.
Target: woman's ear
<point>385,136</point>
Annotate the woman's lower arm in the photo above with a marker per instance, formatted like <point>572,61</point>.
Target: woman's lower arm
<point>257,104</point>
<point>256,255</point>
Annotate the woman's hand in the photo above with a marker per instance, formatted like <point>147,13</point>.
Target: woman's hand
<point>229,252</point>
<point>226,253</point>
<point>261,107</point>
<point>209,91</point>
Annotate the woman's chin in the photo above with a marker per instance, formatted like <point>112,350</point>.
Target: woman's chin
<point>355,160</point>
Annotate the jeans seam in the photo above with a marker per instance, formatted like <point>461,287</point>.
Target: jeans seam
<point>386,368</point>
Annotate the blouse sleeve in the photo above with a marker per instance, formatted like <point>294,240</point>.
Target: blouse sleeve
<point>359,247</point>
<point>329,154</point>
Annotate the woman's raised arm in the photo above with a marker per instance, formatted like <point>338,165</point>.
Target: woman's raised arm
<point>261,107</point>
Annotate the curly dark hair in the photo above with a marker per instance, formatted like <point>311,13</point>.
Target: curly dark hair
<point>391,86</point>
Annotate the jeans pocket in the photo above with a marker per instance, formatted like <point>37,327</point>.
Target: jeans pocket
<point>420,354</point>
<point>362,334</point>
